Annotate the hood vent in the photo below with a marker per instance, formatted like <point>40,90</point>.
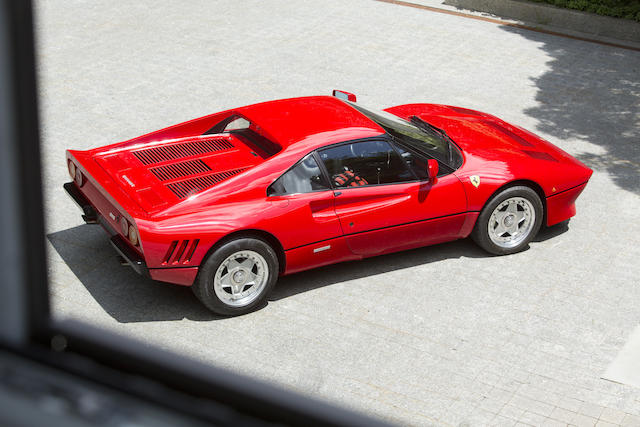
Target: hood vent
<point>540,155</point>
<point>165,153</point>
<point>466,111</point>
<point>179,170</point>
<point>188,187</point>
<point>508,133</point>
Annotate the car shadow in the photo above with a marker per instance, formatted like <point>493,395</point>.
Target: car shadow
<point>591,93</point>
<point>325,276</point>
<point>123,294</point>
<point>128,297</point>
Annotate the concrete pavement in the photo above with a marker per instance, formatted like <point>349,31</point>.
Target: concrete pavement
<point>444,335</point>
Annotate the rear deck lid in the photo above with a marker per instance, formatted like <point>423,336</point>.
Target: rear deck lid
<point>160,174</point>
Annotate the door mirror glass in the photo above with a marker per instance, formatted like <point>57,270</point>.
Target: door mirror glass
<point>346,96</point>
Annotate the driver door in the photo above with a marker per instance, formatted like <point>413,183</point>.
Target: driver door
<point>381,204</point>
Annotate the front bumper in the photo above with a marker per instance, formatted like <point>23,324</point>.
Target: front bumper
<point>562,206</point>
<point>91,216</point>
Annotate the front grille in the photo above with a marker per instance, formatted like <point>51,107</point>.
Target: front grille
<point>510,134</point>
<point>164,153</point>
<point>180,170</point>
<point>188,187</point>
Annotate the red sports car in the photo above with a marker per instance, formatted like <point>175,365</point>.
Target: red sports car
<point>228,202</point>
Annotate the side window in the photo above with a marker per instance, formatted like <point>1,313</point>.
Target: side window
<point>237,124</point>
<point>364,163</point>
<point>304,177</point>
<point>417,163</point>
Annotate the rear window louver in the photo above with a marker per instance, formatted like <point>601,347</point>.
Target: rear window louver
<point>509,133</point>
<point>188,187</point>
<point>164,153</point>
<point>179,170</point>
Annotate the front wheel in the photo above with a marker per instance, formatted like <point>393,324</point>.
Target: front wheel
<point>509,221</point>
<point>237,277</point>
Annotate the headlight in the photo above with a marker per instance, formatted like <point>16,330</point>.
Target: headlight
<point>79,178</point>
<point>72,169</point>
<point>133,235</point>
<point>124,226</point>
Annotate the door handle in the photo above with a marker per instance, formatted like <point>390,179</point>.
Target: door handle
<point>337,193</point>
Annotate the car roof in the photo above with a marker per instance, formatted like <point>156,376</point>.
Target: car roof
<point>309,121</point>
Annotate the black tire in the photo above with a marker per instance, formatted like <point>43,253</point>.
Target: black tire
<point>480,233</point>
<point>203,286</point>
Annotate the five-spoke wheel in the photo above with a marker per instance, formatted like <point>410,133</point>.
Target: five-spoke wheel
<point>509,221</point>
<point>237,276</point>
<point>240,278</point>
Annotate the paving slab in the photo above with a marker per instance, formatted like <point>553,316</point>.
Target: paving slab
<point>440,335</point>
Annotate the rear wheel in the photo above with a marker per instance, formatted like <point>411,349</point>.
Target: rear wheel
<point>237,277</point>
<point>509,221</point>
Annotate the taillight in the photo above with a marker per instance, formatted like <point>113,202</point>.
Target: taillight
<point>79,178</point>
<point>133,235</point>
<point>129,231</point>
<point>124,226</point>
<point>72,169</point>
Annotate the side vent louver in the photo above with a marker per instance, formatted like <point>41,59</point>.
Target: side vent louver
<point>179,170</point>
<point>176,257</point>
<point>184,189</point>
<point>510,134</point>
<point>164,153</point>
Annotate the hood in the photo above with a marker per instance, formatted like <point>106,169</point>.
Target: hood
<point>493,147</point>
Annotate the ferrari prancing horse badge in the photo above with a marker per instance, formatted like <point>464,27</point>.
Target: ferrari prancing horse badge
<point>475,180</point>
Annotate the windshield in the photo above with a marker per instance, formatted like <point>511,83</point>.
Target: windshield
<point>421,137</point>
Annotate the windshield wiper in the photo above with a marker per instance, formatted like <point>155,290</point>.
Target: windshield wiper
<point>429,127</point>
<point>423,124</point>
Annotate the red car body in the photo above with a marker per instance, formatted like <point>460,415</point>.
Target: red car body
<point>182,191</point>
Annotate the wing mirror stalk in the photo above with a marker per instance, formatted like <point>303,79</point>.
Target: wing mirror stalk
<point>432,170</point>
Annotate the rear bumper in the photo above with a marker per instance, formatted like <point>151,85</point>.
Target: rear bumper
<point>91,216</point>
<point>129,255</point>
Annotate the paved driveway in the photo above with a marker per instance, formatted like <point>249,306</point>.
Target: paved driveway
<point>440,335</point>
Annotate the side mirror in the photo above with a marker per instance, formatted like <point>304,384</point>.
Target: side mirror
<point>346,96</point>
<point>432,170</point>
